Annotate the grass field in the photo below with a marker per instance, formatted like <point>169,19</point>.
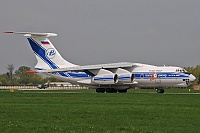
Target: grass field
<point>83,111</point>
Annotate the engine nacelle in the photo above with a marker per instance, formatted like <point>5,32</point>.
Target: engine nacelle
<point>124,76</point>
<point>105,77</point>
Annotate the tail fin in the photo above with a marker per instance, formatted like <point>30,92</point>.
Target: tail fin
<point>46,54</point>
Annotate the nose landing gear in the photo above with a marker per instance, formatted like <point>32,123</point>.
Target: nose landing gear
<point>160,90</point>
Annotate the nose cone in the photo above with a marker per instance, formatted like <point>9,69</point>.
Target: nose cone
<point>192,78</point>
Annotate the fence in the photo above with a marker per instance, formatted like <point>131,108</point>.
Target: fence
<point>70,87</point>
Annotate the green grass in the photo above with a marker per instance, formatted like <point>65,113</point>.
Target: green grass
<point>88,112</point>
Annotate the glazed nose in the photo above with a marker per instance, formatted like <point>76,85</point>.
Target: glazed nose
<point>192,78</point>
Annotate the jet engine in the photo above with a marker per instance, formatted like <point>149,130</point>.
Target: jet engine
<point>125,76</point>
<point>105,77</point>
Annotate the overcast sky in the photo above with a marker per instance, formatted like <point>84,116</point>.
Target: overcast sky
<point>155,32</point>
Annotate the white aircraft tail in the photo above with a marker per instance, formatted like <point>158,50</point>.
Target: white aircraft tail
<point>46,54</point>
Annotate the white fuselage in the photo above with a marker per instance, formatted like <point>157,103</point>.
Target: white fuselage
<point>146,76</point>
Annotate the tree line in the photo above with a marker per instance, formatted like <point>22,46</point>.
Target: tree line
<point>19,77</point>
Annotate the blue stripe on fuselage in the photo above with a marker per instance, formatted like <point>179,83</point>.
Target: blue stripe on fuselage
<point>146,75</point>
<point>137,75</point>
<point>162,75</point>
<point>78,75</point>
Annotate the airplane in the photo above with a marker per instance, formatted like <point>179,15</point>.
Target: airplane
<point>109,78</point>
<point>43,86</point>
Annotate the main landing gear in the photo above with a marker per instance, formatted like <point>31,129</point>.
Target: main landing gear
<point>100,90</point>
<point>110,90</point>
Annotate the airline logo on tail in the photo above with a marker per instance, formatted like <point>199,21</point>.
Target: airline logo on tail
<point>50,53</point>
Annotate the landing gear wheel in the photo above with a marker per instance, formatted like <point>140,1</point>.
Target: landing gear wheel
<point>160,90</point>
<point>122,91</point>
<point>100,90</point>
<point>111,90</point>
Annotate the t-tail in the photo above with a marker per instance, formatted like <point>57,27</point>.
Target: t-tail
<point>46,54</point>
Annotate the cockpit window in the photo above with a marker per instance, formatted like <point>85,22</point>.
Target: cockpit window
<point>185,70</point>
<point>181,70</point>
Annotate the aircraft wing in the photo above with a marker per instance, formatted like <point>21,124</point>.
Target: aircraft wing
<point>87,67</point>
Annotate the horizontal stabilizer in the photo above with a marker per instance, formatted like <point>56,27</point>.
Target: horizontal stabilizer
<point>31,72</point>
<point>32,34</point>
